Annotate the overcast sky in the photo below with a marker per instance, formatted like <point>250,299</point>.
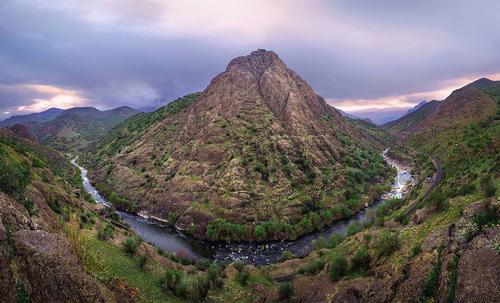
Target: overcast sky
<point>357,54</point>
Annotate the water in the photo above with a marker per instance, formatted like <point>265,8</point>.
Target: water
<point>169,239</point>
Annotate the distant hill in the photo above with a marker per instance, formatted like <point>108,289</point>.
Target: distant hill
<point>404,125</point>
<point>41,117</point>
<point>76,127</point>
<point>71,129</point>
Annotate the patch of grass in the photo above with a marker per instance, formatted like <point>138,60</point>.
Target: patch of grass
<point>104,261</point>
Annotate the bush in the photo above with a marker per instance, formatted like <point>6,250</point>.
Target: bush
<point>174,281</point>
<point>142,261</point>
<point>105,232</point>
<point>260,232</point>
<point>286,291</point>
<point>203,264</point>
<point>354,228</point>
<point>313,267</point>
<point>361,259</point>
<point>286,255</point>
<point>338,267</point>
<point>130,245</point>
<point>487,186</point>
<point>213,273</point>
<point>335,240</point>
<point>55,206</point>
<point>242,277</point>
<point>387,243</point>
<point>239,266</point>
<point>14,177</point>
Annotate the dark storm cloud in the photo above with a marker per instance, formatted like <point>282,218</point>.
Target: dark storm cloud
<point>360,53</point>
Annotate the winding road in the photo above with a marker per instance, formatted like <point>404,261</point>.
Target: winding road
<point>438,175</point>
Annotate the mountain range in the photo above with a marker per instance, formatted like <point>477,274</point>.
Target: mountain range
<point>71,129</point>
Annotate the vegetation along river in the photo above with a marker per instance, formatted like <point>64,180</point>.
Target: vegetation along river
<point>169,239</point>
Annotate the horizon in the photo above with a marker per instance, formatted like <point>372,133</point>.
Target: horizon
<point>370,61</point>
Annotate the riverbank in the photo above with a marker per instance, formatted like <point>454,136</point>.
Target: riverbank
<point>159,233</point>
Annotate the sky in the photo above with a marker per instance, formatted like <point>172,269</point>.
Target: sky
<point>376,57</point>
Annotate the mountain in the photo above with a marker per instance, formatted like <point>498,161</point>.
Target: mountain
<point>469,104</point>
<point>380,115</point>
<point>462,131</point>
<point>75,128</point>
<point>41,117</point>
<point>404,125</point>
<point>416,107</point>
<point>256,148</point>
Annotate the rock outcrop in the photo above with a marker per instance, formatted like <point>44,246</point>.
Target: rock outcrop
<point>50,270</point>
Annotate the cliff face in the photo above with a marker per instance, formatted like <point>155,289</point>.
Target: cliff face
<point>256,145</point>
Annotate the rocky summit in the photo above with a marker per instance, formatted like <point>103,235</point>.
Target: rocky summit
<point>257,145</point>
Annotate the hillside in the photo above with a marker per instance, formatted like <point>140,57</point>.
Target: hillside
<point>75,128</point>
<point>256,155</point>
<point>41,117</point>
<point>404,125</point>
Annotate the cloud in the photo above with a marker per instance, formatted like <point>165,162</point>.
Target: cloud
<point>38,97</point>
<point>405,101</point>
<point>355,53</point>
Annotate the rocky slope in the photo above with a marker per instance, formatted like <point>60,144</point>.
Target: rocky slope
<point>38,262</point>
<point>469,104</point>
<point>406,124</point>
<point>257,145</point>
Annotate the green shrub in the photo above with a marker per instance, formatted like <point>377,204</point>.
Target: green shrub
<point>55,206</point>
<point>286,291</point>
<point>142,261</point>
<point>361,259</point>
<point>387,243</point>
<point>313,267</point>
<point>174,282</point>
<point>242,277</point>
<point>335,240</point>
<point>203,264</point>
<point>487,186</point>
<point>338,267</point>
<point>213,273</point>
<point>260,232</point>
<point>354,228</point>
<point>105,232</point>
<point>286,255</point>
<point>130,245</point>
<point>14,177</point>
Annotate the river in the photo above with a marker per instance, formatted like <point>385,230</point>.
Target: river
<point>169,239</point>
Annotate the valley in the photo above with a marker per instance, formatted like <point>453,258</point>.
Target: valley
<point>170,239</point>
<point>253,190</point>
